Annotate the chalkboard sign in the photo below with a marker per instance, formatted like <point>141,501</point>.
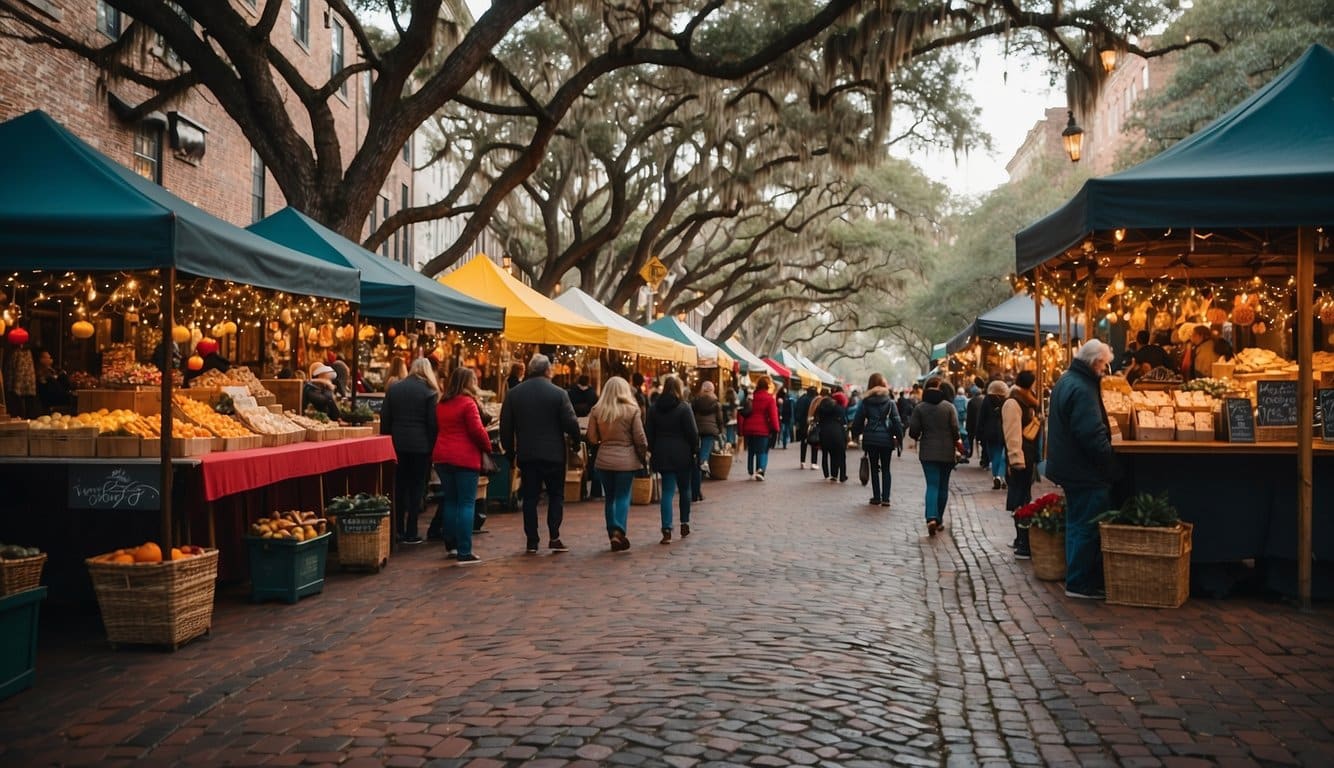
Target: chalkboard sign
<point>1239,421</point>
<point>97,486</point>
<point>1326,397</point>
<point>1276,403</point>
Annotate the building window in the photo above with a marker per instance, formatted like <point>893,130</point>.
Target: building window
<point>301,21</point>
<point>366,88</point>
<point>384,213</point>
<point>407,151</point>
<point>336,53</point>
<point>407,241</point>
<point>1146,76</point>
<point>108,20</point>
<point>148,151</point>
<point>256,187</point>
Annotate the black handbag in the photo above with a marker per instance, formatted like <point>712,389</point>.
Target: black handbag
<point>864,470</point>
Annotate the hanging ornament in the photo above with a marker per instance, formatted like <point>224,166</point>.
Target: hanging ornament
<point>195,335</point>
<point>82,329</point>
<point>206,346</point>
<point>1216,315</point>
<point>1243,313</point>
<point>1259,327</point>
<point>229,328</point>
<point>195,363</point>
<point>17,336</point>
<point>285,317</point>
<point>1327,313</point>
<point>312,336</point>
<point>393,332</point>
<point>180,334</point>
<point>217,330</point>
<point>367,332</point>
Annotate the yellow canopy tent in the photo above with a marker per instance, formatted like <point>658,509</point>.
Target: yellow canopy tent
<point>530,317</point>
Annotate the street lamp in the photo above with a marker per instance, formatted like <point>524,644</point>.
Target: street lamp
<point>1073,138</point>
<point>1108,59</point>
<point>507,263</point>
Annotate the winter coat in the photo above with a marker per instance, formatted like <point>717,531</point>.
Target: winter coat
<point>1019,410</point>
<point>974,413</point>
<point>321,398</point>
<point>905,405</point>
<point>763,418</point>
<point>408,415</point>
<point>799,411</point>
<point>877,422</point>
<point>785,408</point>
<point>673,440</point>
<point>934,424</point>
<point>1079,439</point>
<point>620,443</point>
<point>989,427</point>
<point>831,418</point>
<point>536,418</point>
<point>583,400</point>
<point>708,415</point>
<point>460,438</point>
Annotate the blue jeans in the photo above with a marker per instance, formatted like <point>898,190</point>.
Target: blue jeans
<point>729,433</point>
<point>705,451</point>
<point>784,433</point>
<point>757,454</point>
<point>616,484</point>
<point>458,505</point>
<point>671,481</point>
<point>937,487</point>
<point>996,455</point>
<point>879,461</point>
<point>1083,545</point>
<point>533,475</point>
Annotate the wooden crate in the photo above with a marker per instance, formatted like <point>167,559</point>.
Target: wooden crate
<point>287,392</point>
<point>119,447</point>
<point>242,443</point>
<point>574,485</point>
<point>1286,434</point>
<point>181,447</point>
<point>362,431</point>
<point>145,402</point>
<point>1155,433</point>
<point>13,438</point>
<point>65,443</point>
<point>320,435</point>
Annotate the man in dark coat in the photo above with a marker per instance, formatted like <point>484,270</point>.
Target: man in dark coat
<point>537,422</point>
<point>1080,460</point>
<point>800,422</point>
<point>407,415</point>
<point>972,412</point>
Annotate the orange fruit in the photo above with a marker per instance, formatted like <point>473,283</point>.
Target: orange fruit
<point>148,552</point>
<point>123,559</point>
<point>177,554</point>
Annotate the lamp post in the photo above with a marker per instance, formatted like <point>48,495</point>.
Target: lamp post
<point>1108,58</point>
<point>1073,138</point>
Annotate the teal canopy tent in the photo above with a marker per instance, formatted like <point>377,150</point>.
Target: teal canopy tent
<point>65,206</point>
<point>750,363</point>
<point>1009,321</point>
<point>388,289</point>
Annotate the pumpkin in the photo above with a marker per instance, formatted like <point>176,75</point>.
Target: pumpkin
<point>1216,315</point>
<point>81,329</point>
<point>180,334</point>
<point>18,337</point>
<point>195,363</point>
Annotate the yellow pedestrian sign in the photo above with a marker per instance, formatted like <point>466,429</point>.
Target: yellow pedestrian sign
<point>653,272</point>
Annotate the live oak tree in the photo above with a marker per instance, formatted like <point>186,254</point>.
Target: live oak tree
<point>422,65</point>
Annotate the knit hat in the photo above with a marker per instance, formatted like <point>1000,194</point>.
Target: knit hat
<point>1025,379</point>
<point>998,387</point>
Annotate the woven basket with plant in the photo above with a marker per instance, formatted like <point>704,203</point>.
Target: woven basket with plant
<point>1146,552</point>
<point>1044,517</point>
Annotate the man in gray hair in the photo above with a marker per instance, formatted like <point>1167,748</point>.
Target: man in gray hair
<point>535,420</point>
<point>1080,460</point>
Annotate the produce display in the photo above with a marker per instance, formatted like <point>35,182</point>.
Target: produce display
<point>309,421</point>
<point>147,553</point>
<point>1215,387</point>
<point>131,374</point>
<point>266,422</point>
<point>204,415</point>
<point>361,504</point>
<point>1160,375</point>
<point>1256,360</point>
<point>57,421</point>
<point>296,525</point>
<point>236,376</point>
<point>16,552</point>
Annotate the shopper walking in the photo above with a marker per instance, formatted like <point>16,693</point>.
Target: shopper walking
<point>673,444</point>
<point>992,432</point>
<point>784,416</point>
<point>934,424</point>
<point>830,418</point>
<point>460,443</point>
<point>759,425</point>
<point>408,416</point>
<point>878,427</point>
<point>1080,460</point>
<point>537,422</point>
<point>730,407</point>
<point>1022,425</point>
<point>615,427</point>
<point>801,422</point>
<point>971,440</point>
<point>813,432</point>
<point>709,422</point>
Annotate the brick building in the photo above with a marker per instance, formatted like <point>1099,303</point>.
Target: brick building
<point>1042,143</point>
<point>191,146</point>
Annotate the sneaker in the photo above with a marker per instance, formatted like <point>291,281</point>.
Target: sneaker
<point>685,530</point>
<point>410,540</point>
<point>760,475</point>
<point>1004,485</point>
<point>931,527</point>
<point>469,559</point>
<point>619,543</point>
<point>1096,594</point>
<point>802,465</point>
<point>812,467</point>
<point>884,502</point>
<point>557,546</point>
<point>451,552</point>
<point>995,483</point>
<point>1023,554</point>
<point>696,499</point>
<point>875,501</point>
<point>666,536</point>
<point>532,548</point>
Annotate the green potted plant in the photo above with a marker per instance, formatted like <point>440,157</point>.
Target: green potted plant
<point>1044,517</point>
<point>1146,552</point>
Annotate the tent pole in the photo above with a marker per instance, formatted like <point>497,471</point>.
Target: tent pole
<point>164,449</point>
<point>1305,408</point>
<point>356,354</point>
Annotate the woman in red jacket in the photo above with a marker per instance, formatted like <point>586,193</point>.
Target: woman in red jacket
<point>459,444</point>
<point>758,420</point>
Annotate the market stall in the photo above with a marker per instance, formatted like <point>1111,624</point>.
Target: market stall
<point>790,361</point>
<point>750,363</point>
<point>713,363</point>
<point>654,355</point>
<point>1001,340</point>
<point>1227,229</point>
<point>826,378</point>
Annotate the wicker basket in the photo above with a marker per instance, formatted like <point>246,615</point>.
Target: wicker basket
<point>1048,551</point>
<point>641,491</point>
<point>21,574</point>
<point>1146,566</point>
<point>167,603</point>
<point>720,465</point>
<point>361,548</point>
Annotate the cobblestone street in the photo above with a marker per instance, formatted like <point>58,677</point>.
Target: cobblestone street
<point>797,625</point>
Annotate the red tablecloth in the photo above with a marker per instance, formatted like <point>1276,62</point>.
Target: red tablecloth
<point>237,471</point>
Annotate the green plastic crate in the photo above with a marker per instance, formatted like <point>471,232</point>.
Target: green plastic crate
<point>286,569</point>
<point>18,640</point>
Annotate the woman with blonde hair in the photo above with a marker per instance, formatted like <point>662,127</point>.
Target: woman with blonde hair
<point>398,370</point>
<point>459,446</point>
<point>615,427</point>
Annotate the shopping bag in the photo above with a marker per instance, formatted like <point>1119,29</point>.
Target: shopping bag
<point>864,471</point>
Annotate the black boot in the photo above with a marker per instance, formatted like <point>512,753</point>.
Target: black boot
<point>1021,551</point>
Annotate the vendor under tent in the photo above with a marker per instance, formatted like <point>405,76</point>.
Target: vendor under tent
<point>710,356</point>
<point>650,344</point>
<point>751,364</point>
<point>1247,198</point>
<point>65,207</point>
<point>1008,323</point>
<point>790,361</point>
<point>388,289</point>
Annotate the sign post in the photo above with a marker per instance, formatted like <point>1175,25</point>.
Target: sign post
<point>653,272</point>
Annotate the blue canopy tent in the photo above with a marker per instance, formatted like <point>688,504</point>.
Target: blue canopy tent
<point>1009,321</point>
<point>388,289</point>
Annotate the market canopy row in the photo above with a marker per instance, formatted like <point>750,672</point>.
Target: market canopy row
<point>649,343</point>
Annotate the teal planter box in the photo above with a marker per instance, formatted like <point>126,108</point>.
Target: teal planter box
<point>284,569</point>
<point>18,640</point>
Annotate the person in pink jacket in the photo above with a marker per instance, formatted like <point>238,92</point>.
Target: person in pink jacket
<point>758,420</point>
<point>459,444</point>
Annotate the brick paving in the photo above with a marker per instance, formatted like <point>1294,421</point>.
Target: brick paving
<point>796,626</point>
